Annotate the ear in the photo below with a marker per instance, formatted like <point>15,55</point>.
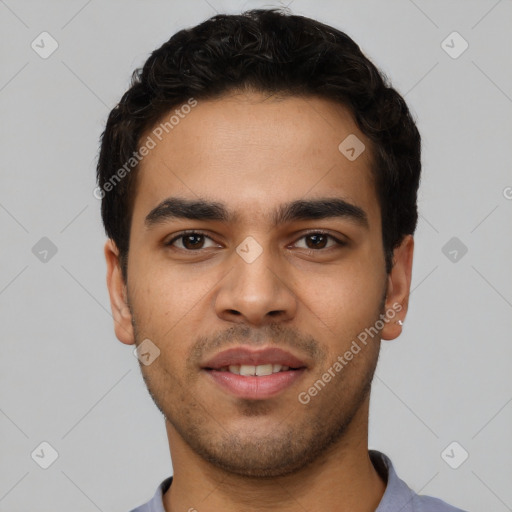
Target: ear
<point>118,295</point>
<point>399,284</point>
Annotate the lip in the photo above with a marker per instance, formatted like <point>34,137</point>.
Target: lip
<point>252,387</point>
<point>255,357</point>
<point>255,388</point>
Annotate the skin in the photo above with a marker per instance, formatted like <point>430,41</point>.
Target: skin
<point>252,153</point>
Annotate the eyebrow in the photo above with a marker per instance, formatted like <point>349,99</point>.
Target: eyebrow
<point>201,209</point>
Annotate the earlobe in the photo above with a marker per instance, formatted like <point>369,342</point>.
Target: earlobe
<point>118,295</point>
<point>399,285</point>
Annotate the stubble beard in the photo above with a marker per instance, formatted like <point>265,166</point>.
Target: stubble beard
<point>297,441</point>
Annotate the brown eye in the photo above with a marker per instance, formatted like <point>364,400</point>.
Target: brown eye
<point>190,241</point>
<point>319,240</point>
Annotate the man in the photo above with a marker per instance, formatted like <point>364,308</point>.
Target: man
<point>258,184</point>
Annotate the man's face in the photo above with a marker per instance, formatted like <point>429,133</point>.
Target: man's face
<point>307,286</point>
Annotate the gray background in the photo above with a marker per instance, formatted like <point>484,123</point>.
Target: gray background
<point>64,377</point>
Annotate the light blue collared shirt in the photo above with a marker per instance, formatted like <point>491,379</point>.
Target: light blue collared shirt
<point>398,496</point>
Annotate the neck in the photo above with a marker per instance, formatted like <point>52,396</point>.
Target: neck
<point>342,480</point>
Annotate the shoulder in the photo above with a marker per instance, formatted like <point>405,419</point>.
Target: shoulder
<point>430,504</point>
<point>399,496</point>
<point>155,504</point>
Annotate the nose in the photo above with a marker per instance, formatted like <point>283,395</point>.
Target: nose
<point>256,291</point>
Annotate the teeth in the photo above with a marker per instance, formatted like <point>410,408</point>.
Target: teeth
<point>260,370</point>
<point>247,370</point>
<point>264,369</point>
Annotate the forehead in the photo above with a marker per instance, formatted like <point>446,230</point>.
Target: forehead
<point>254,152</point>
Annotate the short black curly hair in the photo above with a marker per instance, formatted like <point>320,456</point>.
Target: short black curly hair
<point>271,51</point>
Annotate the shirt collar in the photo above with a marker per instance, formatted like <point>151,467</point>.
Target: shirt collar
<point>397,496</point>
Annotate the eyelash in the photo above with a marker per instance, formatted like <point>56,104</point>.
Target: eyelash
<point>183,234</point>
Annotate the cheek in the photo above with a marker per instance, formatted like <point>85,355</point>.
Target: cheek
<point>349,292</point>
<point>342,303</point>
<point>169,302</point>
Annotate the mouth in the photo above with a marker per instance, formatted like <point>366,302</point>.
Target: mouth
<point>261,370</point>
<point>254,374</point>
